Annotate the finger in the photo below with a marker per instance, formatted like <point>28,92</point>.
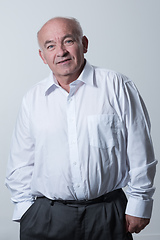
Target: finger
<point>126,227</point>
<point>131,229</point>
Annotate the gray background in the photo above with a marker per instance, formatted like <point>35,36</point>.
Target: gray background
<point>123,35</point>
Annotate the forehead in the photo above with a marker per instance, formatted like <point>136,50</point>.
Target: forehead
<point>56,29</point>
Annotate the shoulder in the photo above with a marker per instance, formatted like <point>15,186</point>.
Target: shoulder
<point>36,94</point>
<point>37,89</point>
<point>111,78</point>
<point>39,86</point>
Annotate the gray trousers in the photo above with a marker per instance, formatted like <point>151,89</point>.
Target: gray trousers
<point>54,220</point>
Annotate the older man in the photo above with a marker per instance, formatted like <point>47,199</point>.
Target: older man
<point>82,134</point>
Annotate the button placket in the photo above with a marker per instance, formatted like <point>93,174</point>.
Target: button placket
<point>73,148</point>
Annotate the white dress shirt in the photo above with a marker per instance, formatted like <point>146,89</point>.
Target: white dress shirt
<point>82,144</point>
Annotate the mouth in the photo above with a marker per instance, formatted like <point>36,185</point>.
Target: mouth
<point>64,61</point>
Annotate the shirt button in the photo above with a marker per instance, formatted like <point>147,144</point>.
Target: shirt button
<point>75,163</point>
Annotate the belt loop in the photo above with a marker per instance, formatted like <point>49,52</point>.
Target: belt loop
<point>52,202</point>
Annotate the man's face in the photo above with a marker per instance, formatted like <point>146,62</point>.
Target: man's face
<point>62,49</point>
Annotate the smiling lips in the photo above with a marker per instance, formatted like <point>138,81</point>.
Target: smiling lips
<point>64,61</point>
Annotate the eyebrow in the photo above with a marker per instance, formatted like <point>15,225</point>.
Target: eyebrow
<point>63,38</point>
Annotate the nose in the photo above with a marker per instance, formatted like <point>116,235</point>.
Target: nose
<point>61,50</point>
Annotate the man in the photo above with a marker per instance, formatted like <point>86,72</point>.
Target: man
<point>81,135</point>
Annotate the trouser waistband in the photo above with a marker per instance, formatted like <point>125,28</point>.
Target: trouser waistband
<point>104,198</point>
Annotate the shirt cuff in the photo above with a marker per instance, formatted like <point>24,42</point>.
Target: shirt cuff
<point>139,208</point>
<point>20,208</point>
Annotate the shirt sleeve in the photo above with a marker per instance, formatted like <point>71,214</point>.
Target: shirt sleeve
<point>140,153</point>
<point>20,163</point>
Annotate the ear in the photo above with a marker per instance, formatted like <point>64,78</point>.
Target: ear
<point>42,56</point>
<point>85,44</point>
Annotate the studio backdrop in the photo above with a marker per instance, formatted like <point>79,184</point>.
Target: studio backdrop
<point>123,36</point>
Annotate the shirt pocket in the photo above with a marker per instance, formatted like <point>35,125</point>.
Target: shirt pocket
<point>103,130</point>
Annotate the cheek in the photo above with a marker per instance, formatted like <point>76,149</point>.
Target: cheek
<point>76,52</point>
<point>51,61</point>
<point>50,57</point>
<point>78,55</point>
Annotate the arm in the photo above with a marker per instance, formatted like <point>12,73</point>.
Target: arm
<point>20,164</point>
<point>140,157</point>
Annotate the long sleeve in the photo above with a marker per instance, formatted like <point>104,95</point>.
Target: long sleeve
<point>20,164</point>
<point>140,153</point>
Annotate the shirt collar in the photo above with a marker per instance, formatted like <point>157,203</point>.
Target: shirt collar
<point>86,77</point>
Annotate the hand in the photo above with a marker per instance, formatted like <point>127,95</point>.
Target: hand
<point>135,224</point>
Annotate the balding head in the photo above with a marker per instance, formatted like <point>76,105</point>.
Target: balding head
<point>71,23</point>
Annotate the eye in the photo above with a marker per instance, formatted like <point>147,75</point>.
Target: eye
<point>51,47</point>
<point>68,42</point>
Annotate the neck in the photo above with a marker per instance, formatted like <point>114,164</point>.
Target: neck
<point>64,81</point>
<point>65,86</point>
